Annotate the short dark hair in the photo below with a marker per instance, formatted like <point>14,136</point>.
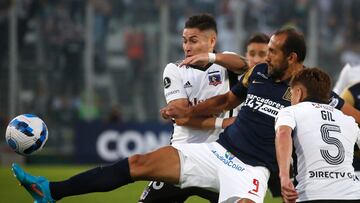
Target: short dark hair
<point>294,42</point>
<point>316,81</point>
<point>202,22</point>
<point>258,38</point>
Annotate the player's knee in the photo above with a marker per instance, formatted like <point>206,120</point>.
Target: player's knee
<point>137,160</point>
<point>245,201</point>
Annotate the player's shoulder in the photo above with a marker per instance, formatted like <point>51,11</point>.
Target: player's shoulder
<point>260,69</point>
<point>172,69</point>
<point>172,65</point>
<point>355,86</point>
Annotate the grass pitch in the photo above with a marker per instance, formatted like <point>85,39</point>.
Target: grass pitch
<point>11,192</point>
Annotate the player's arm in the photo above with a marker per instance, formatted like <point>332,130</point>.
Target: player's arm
<point>208,108</point>
<point>351,111</point>
<point>342,80</point>
<point>205,123</point>
<point>283,145</point>
<point>229,60</point>
<point>284,125</point>
<point>339,103</point>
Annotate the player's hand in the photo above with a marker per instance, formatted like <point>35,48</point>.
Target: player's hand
<point>197,60</point>
<point>163,114</point>
<point>172,111</point>
<point>288,190</point>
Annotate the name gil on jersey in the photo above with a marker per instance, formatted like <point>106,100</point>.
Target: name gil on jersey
<point>333,175</point>
<point>227,160</point>
<point>263,105</point>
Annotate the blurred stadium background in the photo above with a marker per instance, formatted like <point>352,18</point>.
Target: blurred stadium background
<point>92,69</point>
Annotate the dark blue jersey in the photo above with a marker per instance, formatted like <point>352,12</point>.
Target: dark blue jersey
<point>355,92</point>
<point>251,137</point>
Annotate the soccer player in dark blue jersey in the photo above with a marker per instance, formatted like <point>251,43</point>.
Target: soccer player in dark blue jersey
<point>237,165</point>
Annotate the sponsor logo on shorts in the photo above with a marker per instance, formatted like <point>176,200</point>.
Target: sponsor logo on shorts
<point>227,160</point>
<point>333,175</point>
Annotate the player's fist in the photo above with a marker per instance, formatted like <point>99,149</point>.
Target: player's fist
<point>172,111</point>
<point>197,60</point>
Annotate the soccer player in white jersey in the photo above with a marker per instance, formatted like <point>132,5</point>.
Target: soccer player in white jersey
<point>323,139</point>
<point>203,74</point>
<point>349,75</point>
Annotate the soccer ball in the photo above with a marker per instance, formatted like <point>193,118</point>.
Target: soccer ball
<point>26,134</point>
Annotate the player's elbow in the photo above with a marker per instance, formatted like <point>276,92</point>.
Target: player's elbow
<point>182,121</point>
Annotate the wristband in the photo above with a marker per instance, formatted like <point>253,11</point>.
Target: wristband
<point>212,57</point>
<point>218,123</point>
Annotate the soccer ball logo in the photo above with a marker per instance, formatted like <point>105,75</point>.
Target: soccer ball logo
<point>26,134</point>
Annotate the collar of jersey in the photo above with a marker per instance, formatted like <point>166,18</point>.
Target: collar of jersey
<point>309,99</point>
<point>201,68</point>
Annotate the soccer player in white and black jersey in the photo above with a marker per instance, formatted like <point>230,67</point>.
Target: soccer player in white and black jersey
<point>201,75</point>
<point>323,139</point>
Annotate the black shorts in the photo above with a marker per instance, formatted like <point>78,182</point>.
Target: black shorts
<point>168,193</point>
<point>274,185</point>
<point>332,201</point>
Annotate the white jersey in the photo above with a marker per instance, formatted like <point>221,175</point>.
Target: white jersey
<point>196,86</point>
<point>324,140</point>
<point>349,75</point>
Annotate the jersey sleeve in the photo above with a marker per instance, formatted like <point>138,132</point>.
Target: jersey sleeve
<point>173,84</point>
<point>336,101</point>
<point>285,117</point>
<point>348,97</point>
<point>342,81</point>
<point>240,89</point>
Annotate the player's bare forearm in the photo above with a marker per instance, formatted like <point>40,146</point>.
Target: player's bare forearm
<point>283,145</point>
<point>206,123</point>
<point>213,106</point>
<point>232,62</point>
<point>351,111</point>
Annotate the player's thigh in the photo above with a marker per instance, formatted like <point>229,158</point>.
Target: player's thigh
<point>198,166</point>
<point>239,181</point>
<point>274,185</point>
<point>161,165</point>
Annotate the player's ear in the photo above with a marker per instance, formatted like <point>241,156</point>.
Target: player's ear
<point>303,93</point>
<point>292,58</point>
<point>213,41</point>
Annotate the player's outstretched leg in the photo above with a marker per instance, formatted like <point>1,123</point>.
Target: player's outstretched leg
<point>38,187</point>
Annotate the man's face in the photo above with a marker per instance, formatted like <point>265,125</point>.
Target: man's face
<point>196,41</point>
<point>256,53</point>
<point>276,59</point>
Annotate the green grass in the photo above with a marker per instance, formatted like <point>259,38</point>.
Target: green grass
<point>12,192</point>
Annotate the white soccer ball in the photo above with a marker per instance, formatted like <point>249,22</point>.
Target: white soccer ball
<point>26,134</point>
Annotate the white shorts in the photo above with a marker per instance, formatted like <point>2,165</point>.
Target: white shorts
<point>209,165</point>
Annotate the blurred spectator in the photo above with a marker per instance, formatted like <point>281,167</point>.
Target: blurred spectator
<point>349,75</point>
<point>134,45</point>
<point>102,17</point>
<point>114,116</point>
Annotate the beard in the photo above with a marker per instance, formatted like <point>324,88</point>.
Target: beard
<point>279,71</point>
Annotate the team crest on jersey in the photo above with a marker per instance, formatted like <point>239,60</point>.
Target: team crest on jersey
<point>167,82</point>
<point>287,95</point>
<point>215,79</point>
